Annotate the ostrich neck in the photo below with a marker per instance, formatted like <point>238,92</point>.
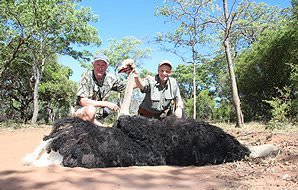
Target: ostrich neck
<point>124,108</point>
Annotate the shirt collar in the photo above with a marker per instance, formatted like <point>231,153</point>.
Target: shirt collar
<point>98,82</point>
<point>157,79</point>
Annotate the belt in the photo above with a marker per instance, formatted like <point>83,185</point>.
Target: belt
<point>146,113</point>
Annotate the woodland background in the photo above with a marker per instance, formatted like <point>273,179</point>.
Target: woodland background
<point>249,72</point>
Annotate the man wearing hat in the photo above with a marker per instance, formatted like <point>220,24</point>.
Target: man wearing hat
<point>93,91</point>
<point>161,93</point>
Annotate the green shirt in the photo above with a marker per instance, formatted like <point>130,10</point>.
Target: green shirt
<point>158,98</point>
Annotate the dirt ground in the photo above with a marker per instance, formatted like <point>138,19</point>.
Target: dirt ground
<point>277,172</point>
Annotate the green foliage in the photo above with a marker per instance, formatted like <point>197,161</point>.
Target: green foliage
<point>144,73</point>
<point>127,47</point>
<point>205,106</point>
<point>281,106</point>
<point>251,20</point>
<point>184,76</point>
<point>32,32</point>
<point>57,92</point>
<point>190,21</point>
<point>198,24</point>
<point>16,91</point>
<point>216,76</point>
<point>213,87</point>
<point>47,27</point>
<point>224,111</point>
<point>265,67</point>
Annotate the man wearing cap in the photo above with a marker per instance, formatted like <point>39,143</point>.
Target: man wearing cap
<point>93,90</point>
<point>161,92</point>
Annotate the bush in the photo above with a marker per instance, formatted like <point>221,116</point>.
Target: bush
<point>281,106</point>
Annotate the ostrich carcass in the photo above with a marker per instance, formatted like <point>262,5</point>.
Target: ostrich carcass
<point>139,141</point>
<point>136,141</point>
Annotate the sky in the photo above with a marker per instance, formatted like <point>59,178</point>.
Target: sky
<point>118,19</point>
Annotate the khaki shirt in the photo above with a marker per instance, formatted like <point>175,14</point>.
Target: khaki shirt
<point>158,99</point>
<point>90,88</point>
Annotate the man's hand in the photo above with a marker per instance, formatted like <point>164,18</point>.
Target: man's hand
<point>178,112</point>
<point>112,106</point>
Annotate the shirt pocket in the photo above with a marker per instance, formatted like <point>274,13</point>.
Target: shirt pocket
<point>155,96</point>
<point>155,93</point>
<point>168,97</point>
<point>155,99</point>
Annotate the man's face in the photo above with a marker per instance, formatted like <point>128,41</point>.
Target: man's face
<point>164,72</point>
<point>100,68</point>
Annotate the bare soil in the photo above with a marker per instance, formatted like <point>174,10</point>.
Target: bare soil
<point>276,172</point>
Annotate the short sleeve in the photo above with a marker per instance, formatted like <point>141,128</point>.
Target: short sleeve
<point>177,95</point>
<point>85,86</point>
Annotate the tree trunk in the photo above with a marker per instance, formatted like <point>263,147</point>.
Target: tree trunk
<point>194,59</point>
<point>37,74</point>
<point>35,95</point>
<point>236,99</point>
<point>194,91</point>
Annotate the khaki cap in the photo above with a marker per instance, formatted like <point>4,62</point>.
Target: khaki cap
<point>165,62</point>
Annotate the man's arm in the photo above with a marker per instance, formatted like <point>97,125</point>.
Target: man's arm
<point>88,102</point>
<point>128,66</point>
<point>139,83</point>
<point>178,104</point>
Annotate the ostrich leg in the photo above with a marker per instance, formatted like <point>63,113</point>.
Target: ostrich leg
<point>124,109</point>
